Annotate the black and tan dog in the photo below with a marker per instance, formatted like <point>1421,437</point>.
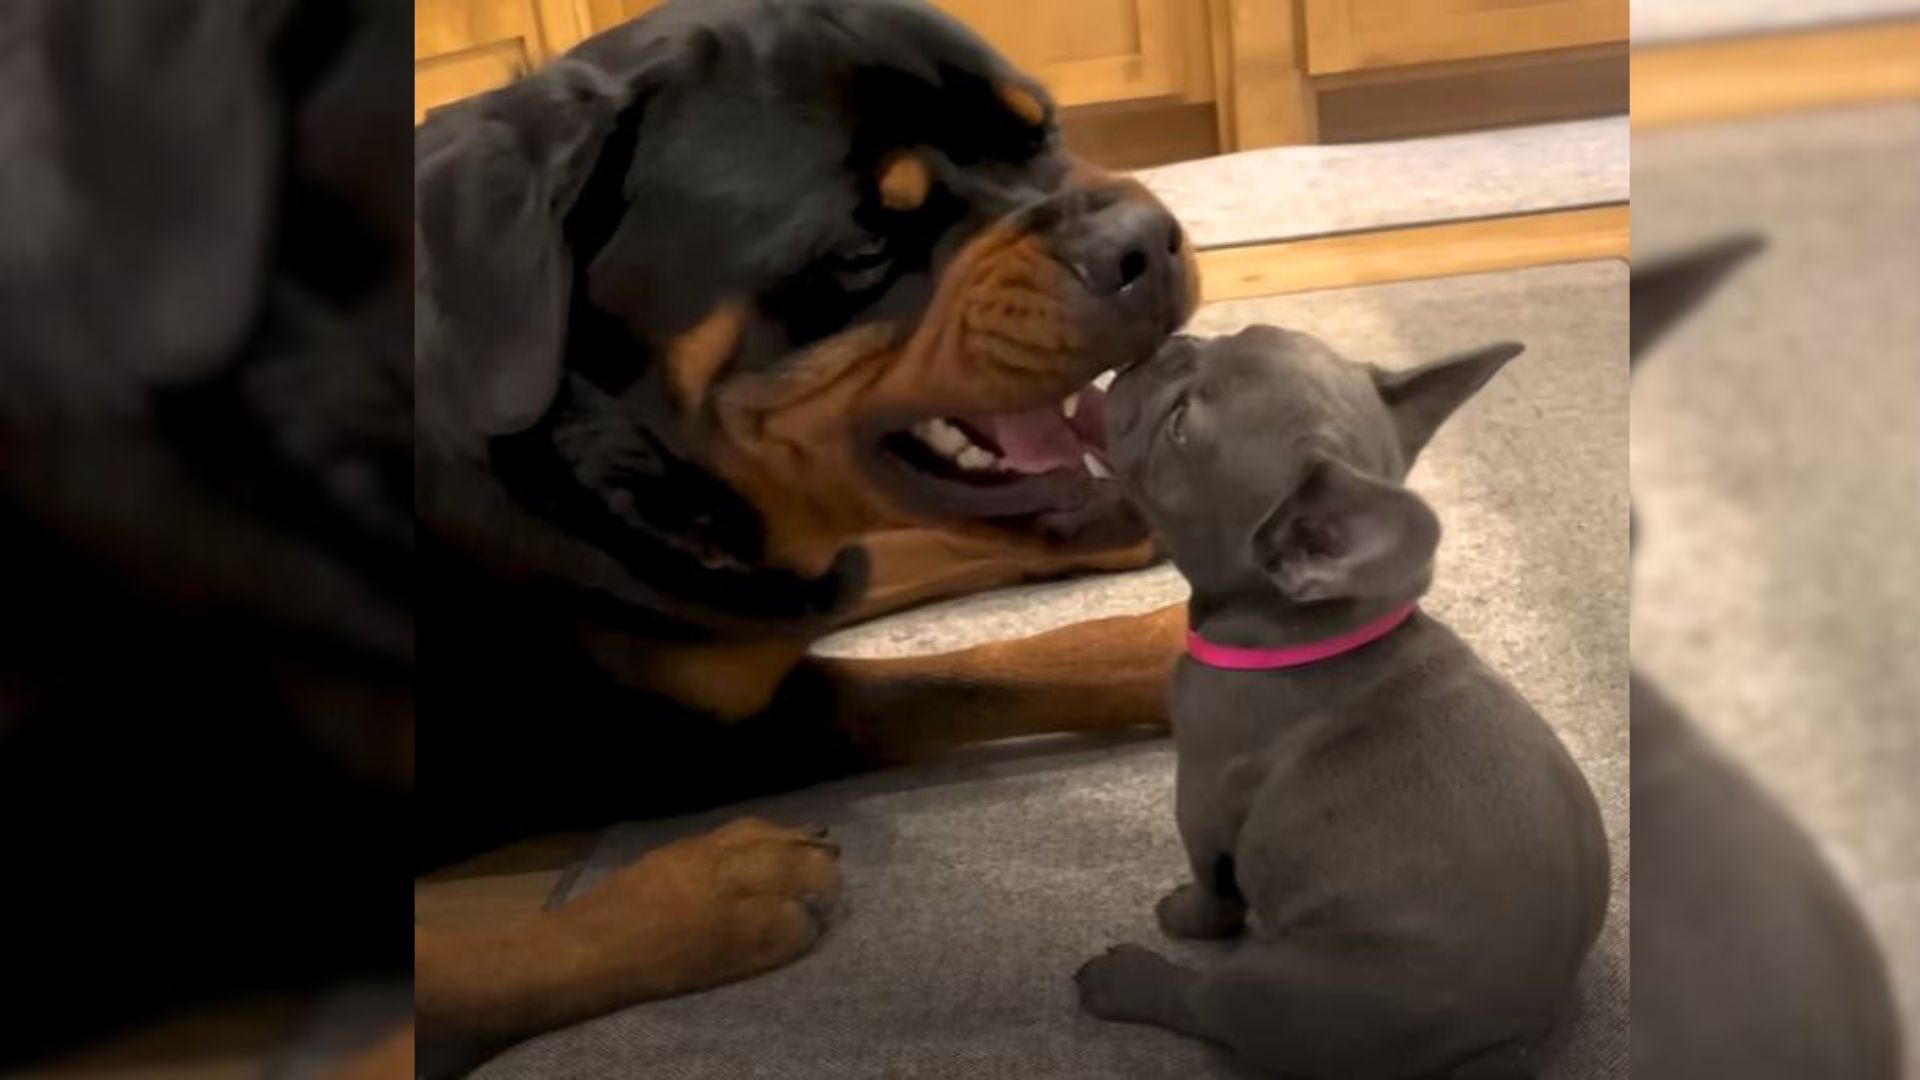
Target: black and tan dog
<point>206,635</point>
<point>739,322</point>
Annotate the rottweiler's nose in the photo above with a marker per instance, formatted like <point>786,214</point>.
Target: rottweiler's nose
<point>1118,247</point>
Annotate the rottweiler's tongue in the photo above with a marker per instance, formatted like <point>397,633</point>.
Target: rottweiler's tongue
<point>1041,440</point>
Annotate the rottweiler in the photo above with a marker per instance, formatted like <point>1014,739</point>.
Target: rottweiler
<point>206,428</point>
<point>737,323</point>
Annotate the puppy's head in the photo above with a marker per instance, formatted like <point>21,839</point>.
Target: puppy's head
<point>734,283</point>
<point>1270,464</point>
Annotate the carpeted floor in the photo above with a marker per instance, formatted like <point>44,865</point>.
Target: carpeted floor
<point>976,887</point>
<point>1778,476</point>
<point>1291,192</point>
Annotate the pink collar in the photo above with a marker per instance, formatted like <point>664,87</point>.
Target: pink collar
<point>1235,658</point>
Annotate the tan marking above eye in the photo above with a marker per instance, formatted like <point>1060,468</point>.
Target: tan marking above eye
<point>904,181</point>
<point>1021,102</point>
<point>696,357</point>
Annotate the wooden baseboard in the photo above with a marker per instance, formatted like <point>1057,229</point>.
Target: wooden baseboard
<point>1775,73</point>
<point>1140,137</point>
<point>1422,251</point>
<point>1442,99</point>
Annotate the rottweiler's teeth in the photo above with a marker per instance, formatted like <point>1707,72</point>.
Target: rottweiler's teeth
<point>1070,405</point>
<point>1095,466</point>
<point>975,458</point>
<point>946,440</point>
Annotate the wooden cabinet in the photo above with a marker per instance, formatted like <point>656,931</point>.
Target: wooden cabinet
<point>1145,81</point>
<point>467,47</point>
<point>1357,35</point>
<point>605,13</point>
<point>1091,52</point>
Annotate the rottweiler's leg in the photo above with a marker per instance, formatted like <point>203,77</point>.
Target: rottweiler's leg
<point>390,1058</point>
<point>1101,675</point>
<point>733,902</point>
<point>915,566</point>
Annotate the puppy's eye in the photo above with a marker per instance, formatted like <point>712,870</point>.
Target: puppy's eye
<point>864,265</point>
<point>1177,424</point>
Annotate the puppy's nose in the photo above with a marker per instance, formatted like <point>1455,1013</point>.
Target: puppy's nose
<point>1129,243</point>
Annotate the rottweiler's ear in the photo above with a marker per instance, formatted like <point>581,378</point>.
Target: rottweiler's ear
<point>1664,292</point>
<point>1343,535</point>
<point>1422,398</point>
<point>493,181</point>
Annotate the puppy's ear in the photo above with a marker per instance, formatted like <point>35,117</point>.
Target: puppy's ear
<point>1422,398</point>
<point>493,180</point>
<point>1664,292</point>
<point>1344,535</point>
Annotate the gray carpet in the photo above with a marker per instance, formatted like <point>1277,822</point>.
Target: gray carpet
<point>977,886</point>
<point>1289,192</point>
<point>1776,458</point>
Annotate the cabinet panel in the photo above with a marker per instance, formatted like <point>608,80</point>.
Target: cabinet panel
<point>443,27</point>
<point>1352,35</point>
<point>605,13</point>
<point>1085,51</point>
<point>467,47</point>
<point>1089,29</point>
<point>444,79</point>
<point>1095,51</point>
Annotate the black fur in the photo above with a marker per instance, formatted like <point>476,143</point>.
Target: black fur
<point>205,494</point>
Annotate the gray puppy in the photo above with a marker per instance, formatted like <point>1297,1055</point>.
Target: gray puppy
<point>1424,862</point>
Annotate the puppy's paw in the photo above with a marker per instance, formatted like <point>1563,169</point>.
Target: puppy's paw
<point>1194,913</point>
<point>1124,983</point>
<point>744,898</point>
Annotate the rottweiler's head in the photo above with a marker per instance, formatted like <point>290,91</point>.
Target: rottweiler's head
<point>733,284</point>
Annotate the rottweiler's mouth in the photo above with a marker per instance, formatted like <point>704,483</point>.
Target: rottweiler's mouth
<point>1040,471</point>
<point>999,448</point>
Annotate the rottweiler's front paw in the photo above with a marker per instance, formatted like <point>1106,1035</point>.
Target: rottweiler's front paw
<point>763,890</point>
<point>1123,983</point>
<point>744,898</point>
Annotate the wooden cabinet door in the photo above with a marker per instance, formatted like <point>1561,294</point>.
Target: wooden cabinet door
<point>1091,51</point>
<point>466,47</point>
<point>1354,35</point>
<point>604,13</point>
<point>1084,51</point>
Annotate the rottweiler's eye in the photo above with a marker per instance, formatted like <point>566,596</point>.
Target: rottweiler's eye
<point>864,265</point>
